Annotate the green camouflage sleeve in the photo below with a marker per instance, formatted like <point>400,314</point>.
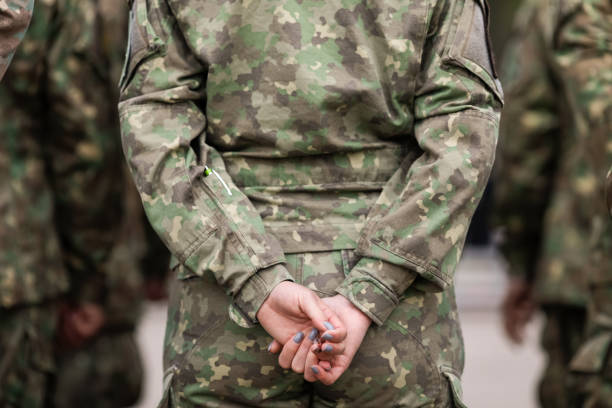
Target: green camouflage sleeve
<point>208,224</point>
<point>82,149</point>
<point>609,191</point>
<point>15,16</point>
<point>530,141</point>
<point>584,53</point>
<point>418,226</point>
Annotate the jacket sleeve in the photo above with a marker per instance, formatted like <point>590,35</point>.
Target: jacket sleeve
<point>82,150</point>
<point>208,224</point>
<point>530,143</point>
<point>15,16</point>
<point>416,230</point>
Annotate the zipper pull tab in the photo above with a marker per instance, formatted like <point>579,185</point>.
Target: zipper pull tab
<point>208,172</point>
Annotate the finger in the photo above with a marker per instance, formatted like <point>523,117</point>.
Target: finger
<point>329,349</point>
<point>311,360</point>
<point>326,365</point>
<point>274,347</point>
<point>297,365</point>
<point>335,333</point>
<point>319,313</point>
<point>289,349</point>
<point>326,377</point>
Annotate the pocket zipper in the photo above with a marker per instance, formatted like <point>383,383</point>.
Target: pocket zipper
<point>208,172</point>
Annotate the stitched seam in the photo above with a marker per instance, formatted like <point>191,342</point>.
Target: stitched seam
<point>415,261</point>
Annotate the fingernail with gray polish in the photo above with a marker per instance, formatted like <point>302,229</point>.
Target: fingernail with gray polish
<point>313,334</point>
<point>270,346</point>
<point>328,325</point>
<point>315,369</point>
<point>299,337</point>
<point>327,348</point>
<point>327,336</point>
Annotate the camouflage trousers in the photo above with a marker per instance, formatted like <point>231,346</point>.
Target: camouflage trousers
<point>106,373</point>
<point>592,364</point>
<point>26,355</point>
<point>414,360</point>
<point>562,336</point>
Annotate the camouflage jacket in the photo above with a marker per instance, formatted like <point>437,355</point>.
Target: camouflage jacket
<point>259,128</point>
<point>15,16</point>
<point>63,216</point>
<point>547,191</point>
<point>609,190</point>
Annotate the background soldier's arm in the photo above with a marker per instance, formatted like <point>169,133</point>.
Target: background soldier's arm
<point>530,143</point>
<point>15,16</point>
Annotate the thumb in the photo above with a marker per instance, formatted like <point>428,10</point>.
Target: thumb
<point>317,311</point>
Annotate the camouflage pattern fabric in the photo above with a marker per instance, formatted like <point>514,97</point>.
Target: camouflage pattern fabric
<point>313,138</point>
<point>26,355</point>
<point>609,191</point>
<point>15,16</point>
<point>562,335</point>
<point>555,151</point>
<point>540,180</point>
<point>257,130</point>
<point>105,374</point>
<point>69,227</point>
<point>586,58</point>
<point>211,361</point>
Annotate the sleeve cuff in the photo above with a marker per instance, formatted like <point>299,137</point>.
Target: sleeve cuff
<point>374,287</point>
<point>255,291</point>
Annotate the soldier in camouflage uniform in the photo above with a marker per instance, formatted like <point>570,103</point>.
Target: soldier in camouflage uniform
<point>342,146</point>
<point>549,195</point>
<point>15,16</point>
<point>67,246</point>
<point>587,63</point>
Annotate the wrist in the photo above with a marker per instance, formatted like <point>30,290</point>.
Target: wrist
<point>357,314</point>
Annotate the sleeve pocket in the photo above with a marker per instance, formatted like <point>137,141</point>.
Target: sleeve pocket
<point>470,46</point>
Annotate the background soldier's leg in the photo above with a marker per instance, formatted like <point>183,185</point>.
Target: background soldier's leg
<point>26,355</point>
<point>563,333</point>
<point>104,374</point>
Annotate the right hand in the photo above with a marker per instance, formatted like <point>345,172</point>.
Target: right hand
<point>292,309</point>
<point>79,324</point>
<point>518,309</point>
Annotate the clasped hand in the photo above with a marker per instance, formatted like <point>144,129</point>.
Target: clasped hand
<point>316,337</point>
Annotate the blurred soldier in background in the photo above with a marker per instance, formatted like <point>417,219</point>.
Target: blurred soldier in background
<point>549,193</point>
<point>70,234</point>
<point>587,63</point>
<point>15,16</point>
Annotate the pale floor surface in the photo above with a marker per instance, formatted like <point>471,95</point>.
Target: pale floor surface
<point>497,374</point>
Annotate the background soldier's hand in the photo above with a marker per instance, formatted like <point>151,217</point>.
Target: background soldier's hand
<point>290,313</point>
<point>518,308</point>
<point>80,323</point>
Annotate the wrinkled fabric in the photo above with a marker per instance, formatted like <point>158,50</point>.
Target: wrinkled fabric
<point>70,221</point>
<point>544,182</point>
<point>414,359</point>
<point>556,151</point>
<point>259,129</point>
<point>15,16</point>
